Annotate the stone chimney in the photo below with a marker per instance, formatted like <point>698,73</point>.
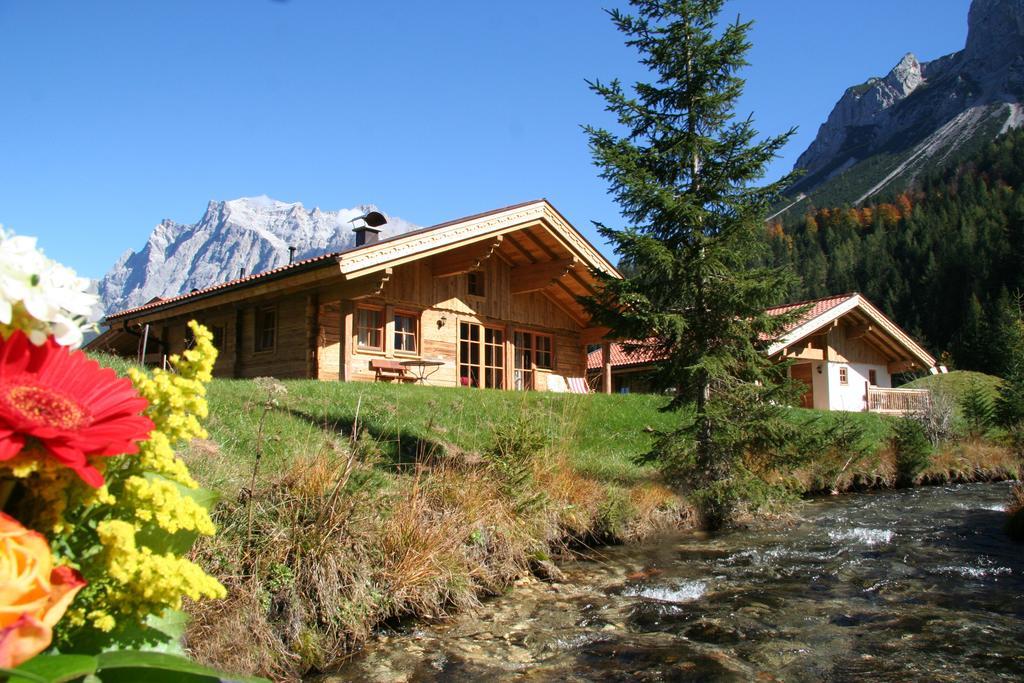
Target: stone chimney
<point>367,227</point>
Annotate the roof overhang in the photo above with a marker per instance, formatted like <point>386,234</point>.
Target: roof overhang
<point>563,249</point>
<point>423,243</point>
<point>857,304</point>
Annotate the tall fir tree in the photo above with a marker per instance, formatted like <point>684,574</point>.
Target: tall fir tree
<point>683,170</point>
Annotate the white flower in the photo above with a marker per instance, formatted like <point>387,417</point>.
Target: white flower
<point>39,296</point>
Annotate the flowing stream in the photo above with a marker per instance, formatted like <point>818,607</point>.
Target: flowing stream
<point>917,584</point>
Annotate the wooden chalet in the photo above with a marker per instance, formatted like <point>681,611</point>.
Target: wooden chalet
<point>489,300</point>
<point>842,348</point>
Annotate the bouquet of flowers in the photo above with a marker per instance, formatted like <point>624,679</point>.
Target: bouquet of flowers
<point>97,511</point>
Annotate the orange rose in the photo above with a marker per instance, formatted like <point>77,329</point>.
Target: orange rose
<point>33,594</point>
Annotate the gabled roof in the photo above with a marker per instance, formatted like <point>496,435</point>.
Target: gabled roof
<point>819,314</point>
<point>401,248</point>
<point>863,310</point>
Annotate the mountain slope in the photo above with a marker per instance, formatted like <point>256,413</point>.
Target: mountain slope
<point>884,133</point>
<point>943,260</point>
<point>253,233</point>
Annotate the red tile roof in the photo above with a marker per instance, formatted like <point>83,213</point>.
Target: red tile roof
<point>817,307</point>
<point>642,356</point>
<point>622,358</point>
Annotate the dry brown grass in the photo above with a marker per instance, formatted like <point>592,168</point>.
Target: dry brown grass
<point>840,472</point>
<point>954,461</point>
<point>970,460</point>
<point>335,548</point>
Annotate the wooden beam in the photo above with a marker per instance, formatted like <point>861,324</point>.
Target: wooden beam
<point>312,336</point>
<point>593,335</point>
<point>520,248</point>
<point>884,343</point>
<point>465,259</point>
<point>805,352</point>
<point>606,367</point>
<point>564,308</point>
<point>368,285</point>
<point>345,340</point>
<point>588,288</point>
<point>537,276</point>
<point>551,253</point>
<point>858,331</point>
<point>236,368</point>
<point>902,365</point>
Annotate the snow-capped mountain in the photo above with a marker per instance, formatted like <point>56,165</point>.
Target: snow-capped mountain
<point>253,233</point>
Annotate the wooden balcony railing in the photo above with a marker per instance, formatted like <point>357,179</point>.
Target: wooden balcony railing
<point>898,401</point>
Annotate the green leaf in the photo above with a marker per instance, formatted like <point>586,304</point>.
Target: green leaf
<point>156,667</point>
<point>19,676</point>
<point>54,668</point>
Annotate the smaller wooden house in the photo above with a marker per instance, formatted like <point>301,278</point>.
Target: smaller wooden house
<point>489,300</point>
<point>842,348</point>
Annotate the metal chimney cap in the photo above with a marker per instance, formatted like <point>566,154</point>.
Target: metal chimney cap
<point>375,219</point>
<point>372,221</point>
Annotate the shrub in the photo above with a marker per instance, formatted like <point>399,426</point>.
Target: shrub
<point>515,448</point>
<point>977,410</point>
<point>937,419</point>
<point>913,450</point>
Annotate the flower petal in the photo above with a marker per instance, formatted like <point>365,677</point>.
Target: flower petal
<point>23,640</point>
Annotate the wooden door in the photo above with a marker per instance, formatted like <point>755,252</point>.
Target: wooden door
<point>803,373</point>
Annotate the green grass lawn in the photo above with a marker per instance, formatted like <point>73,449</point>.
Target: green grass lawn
<point>601,434</point>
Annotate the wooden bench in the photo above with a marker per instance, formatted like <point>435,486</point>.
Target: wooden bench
<point>387,370</point>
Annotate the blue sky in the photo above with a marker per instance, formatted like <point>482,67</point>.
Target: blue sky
<point>114,115</point>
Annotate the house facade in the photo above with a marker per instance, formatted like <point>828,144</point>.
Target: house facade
<point>842,348</point>
<point>489,301</point>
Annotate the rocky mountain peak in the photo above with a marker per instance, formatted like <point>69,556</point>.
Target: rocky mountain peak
<point>885,131</point>
<point>995,32</point>
<point>250,233</point>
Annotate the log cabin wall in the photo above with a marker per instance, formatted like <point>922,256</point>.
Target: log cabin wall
<point>315,328</point>
<point>285,357</point>
<point>441,304</point>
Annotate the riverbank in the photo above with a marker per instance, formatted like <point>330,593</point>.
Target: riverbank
<point>910,584</point>
<point>345,506</point>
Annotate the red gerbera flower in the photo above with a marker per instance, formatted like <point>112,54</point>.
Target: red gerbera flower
<point>68,404</point>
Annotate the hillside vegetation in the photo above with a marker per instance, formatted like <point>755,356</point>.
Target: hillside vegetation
<point>957,383</point>
<point>343,505</point>
<point>943,260</point>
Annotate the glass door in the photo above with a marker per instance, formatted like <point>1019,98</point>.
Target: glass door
<point>481,356</point>
<point>469,355</point>
<point>494,358</point>
<point>523,376</point>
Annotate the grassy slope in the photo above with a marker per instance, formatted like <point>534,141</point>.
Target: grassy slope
<point>606,432</point>
<point>956,383</point>
<point>402,541</point>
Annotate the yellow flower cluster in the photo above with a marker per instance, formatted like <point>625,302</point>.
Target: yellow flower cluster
<point>150,581</point>
<point>177,403</point>
<point>136,577</point>
<point>161,502</point>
